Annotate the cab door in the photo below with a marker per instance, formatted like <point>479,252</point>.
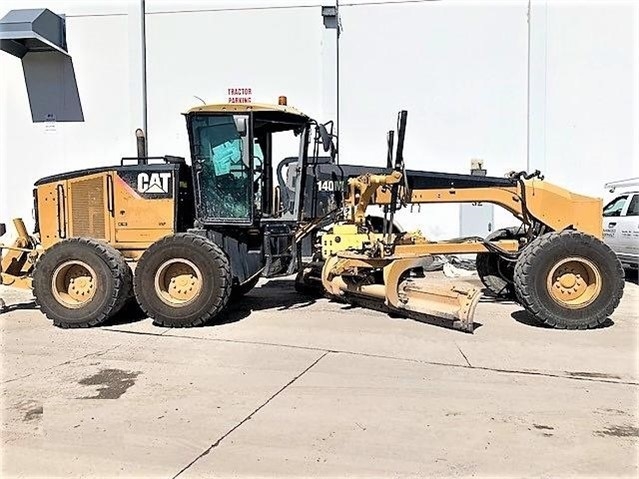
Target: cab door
<point>628,230</point>
<point>611,213</point>
<point>222,166</point>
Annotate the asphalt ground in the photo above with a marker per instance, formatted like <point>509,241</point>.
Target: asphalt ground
<point>289,385</point>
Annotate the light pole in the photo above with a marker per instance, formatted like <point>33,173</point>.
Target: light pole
<point>528,92</point>
<point>330,64</point>
<point>143,75</point>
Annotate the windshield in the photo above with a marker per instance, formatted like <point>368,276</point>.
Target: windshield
<point>233,157</point>
<point>615,207</point>
<point>223,165</point>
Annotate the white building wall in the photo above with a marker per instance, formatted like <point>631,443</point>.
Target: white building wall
<point>28,151</point>
<point>274,52</point>
<point>458,67</point>
<point>585,92</point>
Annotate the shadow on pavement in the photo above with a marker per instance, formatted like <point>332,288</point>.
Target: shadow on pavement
<point>130,313</point>
<point>524,317</point>
<point>18,306</point>
<point>365,304</point>
<point>278,294</point>
<point>632,276</point>
<point>488,297</point>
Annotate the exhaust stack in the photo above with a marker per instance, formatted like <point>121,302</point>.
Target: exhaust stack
<point>140,138</point>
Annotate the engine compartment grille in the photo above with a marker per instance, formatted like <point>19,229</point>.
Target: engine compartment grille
<point>87,208</point>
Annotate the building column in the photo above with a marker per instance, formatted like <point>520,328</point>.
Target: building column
<point>330,65</point>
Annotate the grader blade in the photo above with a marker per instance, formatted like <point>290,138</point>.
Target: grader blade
<point>17,263</point>
<point>441,302</point>
<point>452,301</point>
<point>442,299</point>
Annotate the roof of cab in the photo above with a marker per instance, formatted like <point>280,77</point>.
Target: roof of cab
<point>246,107</point>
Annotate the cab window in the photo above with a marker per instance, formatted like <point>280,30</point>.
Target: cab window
<point>222,162</point>
<point>615,207</point>
<point>633,207</point>
<point>258,172</point>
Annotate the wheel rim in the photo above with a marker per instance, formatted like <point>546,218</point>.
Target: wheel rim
<point>574,282</point>
<point>178,282</point>
<point>74,284</point>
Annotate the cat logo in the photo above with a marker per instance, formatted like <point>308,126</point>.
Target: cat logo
<point>157,183</point>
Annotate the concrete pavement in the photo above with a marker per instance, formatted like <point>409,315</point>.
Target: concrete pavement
<point>291,385</point>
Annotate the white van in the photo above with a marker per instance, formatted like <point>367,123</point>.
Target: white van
<point>621,227</point>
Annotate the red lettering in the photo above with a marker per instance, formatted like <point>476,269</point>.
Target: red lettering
<point>239,95</point>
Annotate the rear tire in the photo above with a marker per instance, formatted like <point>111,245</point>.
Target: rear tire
<point>81,282</point>
<point>569,280</point>
<point>495,272</point>
<point>496,275</point>
<point>183,280</point>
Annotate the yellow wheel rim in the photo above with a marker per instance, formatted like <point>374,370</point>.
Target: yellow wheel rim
<point>574,282</point>
<point>178,282</point>
<point>74,284</point>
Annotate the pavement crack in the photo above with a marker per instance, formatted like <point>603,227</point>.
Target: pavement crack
<point>394,358</point>
<point>462,353</point>
<point>64,363</point>
<point>261,406</point>
<point>221,340</point>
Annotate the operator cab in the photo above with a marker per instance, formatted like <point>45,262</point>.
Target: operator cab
<point>232,159</point>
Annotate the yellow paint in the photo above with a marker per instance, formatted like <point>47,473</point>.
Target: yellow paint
<point>20,282</point>
<point>574,282</point>
<point>49,208</point>
<point>560,208</point>
<point>140,220</point>
<point>344,237</point>
<point>17,264</point>
<point>549,204</point>
<point>245,108</point>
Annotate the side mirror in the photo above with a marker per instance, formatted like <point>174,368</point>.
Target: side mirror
<point>3,229</point>
<point>327,140</point>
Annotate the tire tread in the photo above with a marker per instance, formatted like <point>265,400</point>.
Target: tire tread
<point>225,280</point>
<point>523,272</point>
<point>121,273</point>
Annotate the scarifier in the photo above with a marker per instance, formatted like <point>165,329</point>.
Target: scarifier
<point>203,234</point>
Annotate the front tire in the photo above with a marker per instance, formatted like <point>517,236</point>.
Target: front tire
<point>496,273</point>
<point>183,280</point>
<point>569,280</point>
<point>81,282</point>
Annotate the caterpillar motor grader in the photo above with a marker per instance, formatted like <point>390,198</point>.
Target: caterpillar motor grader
<point>201,234</point>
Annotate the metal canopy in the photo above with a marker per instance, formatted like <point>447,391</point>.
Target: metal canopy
<point>32,30</point>
<point>38,38</point>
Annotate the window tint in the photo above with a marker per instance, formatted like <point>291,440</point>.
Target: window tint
<point>224,177</point>
<point>615,206</point>
<point>633,208</point>
<point>258,172</point>
<point>258,155</point>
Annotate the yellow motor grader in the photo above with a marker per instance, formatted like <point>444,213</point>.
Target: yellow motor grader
<point>202,234</point>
